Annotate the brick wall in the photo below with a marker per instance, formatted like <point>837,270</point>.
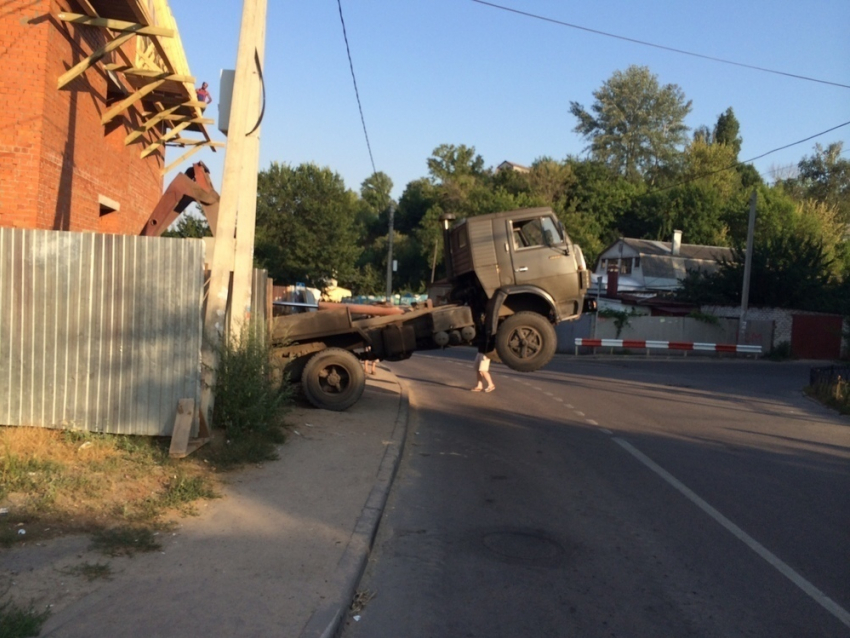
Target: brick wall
<point>56,157</point>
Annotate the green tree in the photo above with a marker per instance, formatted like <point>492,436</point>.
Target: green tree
<point>787,272</point>
<point>306,228</point>
<point>727,131</point>
<point>635,126</point>
<point>824,177</point>
<point>191,223</point>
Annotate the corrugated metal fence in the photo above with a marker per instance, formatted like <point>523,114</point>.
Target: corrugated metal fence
<point>98,332</point>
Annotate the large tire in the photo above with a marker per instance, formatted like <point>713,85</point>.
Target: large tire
<point>333,379</point>
<point>526,341</point>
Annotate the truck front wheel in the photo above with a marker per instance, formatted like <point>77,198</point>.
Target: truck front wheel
<point>526,341</point>
<point>333,379</point>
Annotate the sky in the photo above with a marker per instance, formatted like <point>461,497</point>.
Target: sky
<point>434,72</point>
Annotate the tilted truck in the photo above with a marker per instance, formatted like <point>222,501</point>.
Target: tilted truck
<point>510,278</point>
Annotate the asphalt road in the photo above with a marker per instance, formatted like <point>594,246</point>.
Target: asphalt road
<point>614,497</point>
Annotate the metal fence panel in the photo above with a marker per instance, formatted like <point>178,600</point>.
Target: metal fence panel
<point>98,332</point>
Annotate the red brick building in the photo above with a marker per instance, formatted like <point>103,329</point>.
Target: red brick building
<point>91,91</point>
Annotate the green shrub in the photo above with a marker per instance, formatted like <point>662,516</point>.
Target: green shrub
<point>19,622</point>
<point>247,396</point>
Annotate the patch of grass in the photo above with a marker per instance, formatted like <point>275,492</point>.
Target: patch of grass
<point>90,571</point>
<point>249,448</point>
<point>20,622</point>
<point>835,395</point>
<point>125,541</point>
<point>56,482</point>
<point>183,489</point>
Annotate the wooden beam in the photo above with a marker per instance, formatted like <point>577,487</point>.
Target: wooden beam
<point>115,25</point>
<point>187,155</point>
<point>148,73</point>
<point>175,100</point>
<point>86,5</point>
<point>152,148</point>
<point>81,67</point>
<point>191,120</point>
<point>185,141</point>
<point>149,124</point>
<point>128,102</point>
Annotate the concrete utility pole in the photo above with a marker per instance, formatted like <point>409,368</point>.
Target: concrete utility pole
<point>234,242</point>
<point>390,258</point>
<point>748,266</point>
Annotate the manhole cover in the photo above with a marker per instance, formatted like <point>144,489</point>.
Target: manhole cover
<point>522,545</point>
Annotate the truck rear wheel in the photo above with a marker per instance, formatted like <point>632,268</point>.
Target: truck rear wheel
<point>333,379</point>
<point>526,341</point>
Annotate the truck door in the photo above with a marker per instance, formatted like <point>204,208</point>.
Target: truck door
<point>541,256</point>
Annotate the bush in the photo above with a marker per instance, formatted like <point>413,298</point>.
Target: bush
<point>250,402</point>
<point>835,394</point>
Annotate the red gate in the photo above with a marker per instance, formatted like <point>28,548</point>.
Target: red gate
<point>816,336</point>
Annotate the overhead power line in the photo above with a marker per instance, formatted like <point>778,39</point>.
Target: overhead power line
<point>659,46</point>
<point>356,92</point>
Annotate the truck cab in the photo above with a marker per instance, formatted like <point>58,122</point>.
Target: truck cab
<point>523,259</point>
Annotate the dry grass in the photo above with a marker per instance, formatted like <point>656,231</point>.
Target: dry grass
<point>59,482</point>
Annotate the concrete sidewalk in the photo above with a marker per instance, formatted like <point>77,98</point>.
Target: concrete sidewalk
<point>279,555</point>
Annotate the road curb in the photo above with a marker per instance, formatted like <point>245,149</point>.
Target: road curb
<point>327,620</point>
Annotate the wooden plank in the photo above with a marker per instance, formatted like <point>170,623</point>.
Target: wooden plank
<point>148,125</point>
<point>179,160</point>
<point>176,119</point>
<point>182,429</point>
<point>81,67</point>
<point>129,101</point>
<point>115,25</point>
<point>152,148</point>
<point>86,5</point>
<point>156,74</point>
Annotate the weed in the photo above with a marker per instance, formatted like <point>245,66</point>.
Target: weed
<point>835,394</point>
<point>620,317</point>
<point>20,622</point>
<point>250,402</point>
<point>90,571</point>
<point>125,541</point>
<point>182,489</point>
<point>247,399</point>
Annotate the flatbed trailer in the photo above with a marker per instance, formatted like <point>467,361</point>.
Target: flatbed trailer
<point>324,349</point>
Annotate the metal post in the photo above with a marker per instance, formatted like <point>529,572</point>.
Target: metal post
<point>748,265</point>
<point>390,258</point>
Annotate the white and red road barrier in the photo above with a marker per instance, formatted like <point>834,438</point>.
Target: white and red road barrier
<point>686,346</point>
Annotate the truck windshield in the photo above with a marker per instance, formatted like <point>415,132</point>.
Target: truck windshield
<point>540,231</point>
